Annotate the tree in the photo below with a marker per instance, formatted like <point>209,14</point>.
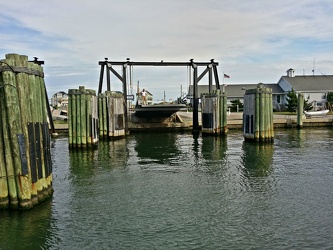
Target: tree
<point>291,101</point>
<point>307,106</point>
<point>330,99</point>
<point>234,104</point>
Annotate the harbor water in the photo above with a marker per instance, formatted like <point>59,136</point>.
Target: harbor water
<point>181,191</point>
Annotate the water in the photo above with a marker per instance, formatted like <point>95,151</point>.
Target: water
<point>175,191</point>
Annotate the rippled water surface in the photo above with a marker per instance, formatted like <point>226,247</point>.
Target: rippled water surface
<point>176,191</point>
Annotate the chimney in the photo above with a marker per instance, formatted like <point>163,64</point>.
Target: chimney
<point>291,72</point>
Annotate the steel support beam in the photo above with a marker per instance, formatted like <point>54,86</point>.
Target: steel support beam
<point>125,96</point>
<point>101,75</point>
<point>195,98</point>
<point>211,69</point>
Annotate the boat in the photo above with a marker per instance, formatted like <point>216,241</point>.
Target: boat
<point>158,110</point>
<point>319,113</point>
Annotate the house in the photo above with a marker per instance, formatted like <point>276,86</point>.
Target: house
<point>59,101</point>
<point>237,91</point>
<point>314,87</point>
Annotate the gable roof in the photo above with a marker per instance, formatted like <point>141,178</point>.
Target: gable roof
<point>315,83</point>
<point>60,92</point>
<point>237,90</point>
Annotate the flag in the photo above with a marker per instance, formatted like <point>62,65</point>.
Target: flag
<point>226,76</point>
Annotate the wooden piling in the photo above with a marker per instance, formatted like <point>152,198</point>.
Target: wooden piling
<point>105,116</point>
<point>83,116</point>
<point>111,114</point>
<point>256,117</point>
<point>88,116</point>
<point>12,126</point>
<point>82,121</point>
<point>4,198</point>
<point>300,107</point>
<point>94,114</point>
<point>115,115</point>
<point>22,89</point>
<point>102,115</point>
<point>258,114</point>
<point>214,113</point>
<point>223,113</point>
<point>69,118</point>
<point>25,136</point>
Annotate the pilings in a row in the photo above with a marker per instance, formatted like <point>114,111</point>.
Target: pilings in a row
<point>82,118</point>
<point>25,159</point>
<point>214,113</point>
<point>111,114</point>
<point>258,114</point>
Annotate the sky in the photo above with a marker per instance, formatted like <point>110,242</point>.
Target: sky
<point>253,41</point>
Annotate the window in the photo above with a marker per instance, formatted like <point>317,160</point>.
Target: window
<point>278,99</point>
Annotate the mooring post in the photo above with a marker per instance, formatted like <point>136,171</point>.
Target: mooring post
<point>25,139</point>
<point>4,199</point>
<point>88,117</point>
<point>82,121</point>
<point>78,118</point>
<point>258,114</point>
<point>223,112</point>
<point>300,107</point>
<point>74,117</point>
<point>195,98</point>
<point>83,116</point>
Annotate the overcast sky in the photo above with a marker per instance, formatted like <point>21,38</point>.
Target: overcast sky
<point>253,41</point>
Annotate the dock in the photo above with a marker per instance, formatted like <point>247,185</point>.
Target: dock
<point>183,121</point>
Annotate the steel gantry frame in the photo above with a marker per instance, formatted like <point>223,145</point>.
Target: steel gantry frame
<point>211,68</point>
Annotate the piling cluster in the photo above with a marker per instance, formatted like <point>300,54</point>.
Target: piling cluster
<point>214,113</point>
<point>25,161</point>
<point>111,114</point>
<point>258,114</point>
<point>82,118</point>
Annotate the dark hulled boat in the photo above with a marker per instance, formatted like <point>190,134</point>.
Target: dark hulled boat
<point>158,110</point>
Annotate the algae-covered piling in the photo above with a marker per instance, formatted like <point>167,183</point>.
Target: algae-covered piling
<point>82,117</point>
<point>25,163</point>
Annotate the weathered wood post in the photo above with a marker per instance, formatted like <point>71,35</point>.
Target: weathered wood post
<point>82,117</point>
<point>25,167</point>
<point>111,114</point>
<point>103,115</point>
<point>116,114</point>
<point>223,113</point>
<point>300,107</point>
<point>214,110</point>
<point>258,114</point>
<point>4,195</point>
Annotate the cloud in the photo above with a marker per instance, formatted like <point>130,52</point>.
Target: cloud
<point>252,40</point>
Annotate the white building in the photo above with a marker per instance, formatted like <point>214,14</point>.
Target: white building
<point>314,87</point>
<point>59,101</point>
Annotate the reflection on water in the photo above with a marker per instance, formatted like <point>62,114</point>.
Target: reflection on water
<point>156,148</point>
<point>26,229</point>
<point>184,191</point>
<point>257,159</point>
